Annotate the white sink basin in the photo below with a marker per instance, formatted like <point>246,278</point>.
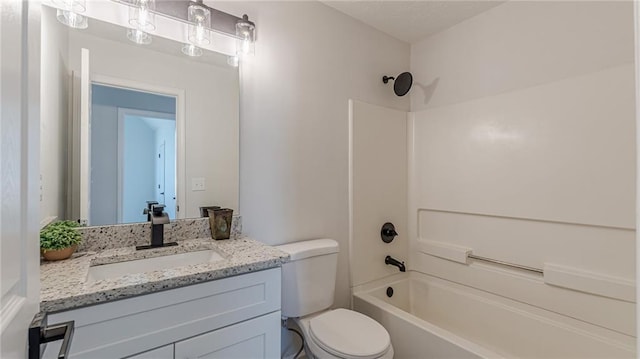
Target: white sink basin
<point>115,270</point>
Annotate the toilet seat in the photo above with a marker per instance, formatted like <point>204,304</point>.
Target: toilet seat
<point>348,334</point>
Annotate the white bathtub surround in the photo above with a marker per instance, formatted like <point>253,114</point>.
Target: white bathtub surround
<point>377,187</point>
<point>561,152</point>
<point>537,185</point>
<point>587,268</point>
<point>431,317</point>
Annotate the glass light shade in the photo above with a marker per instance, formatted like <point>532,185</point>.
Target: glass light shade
<point>72,19</point>
<point>245,31</point>
<point>233,61</point>
<point>191,50</point>
<point>71,5</point>
<point>138,36</point>
<point>199,24</point>
<point>142,15</point>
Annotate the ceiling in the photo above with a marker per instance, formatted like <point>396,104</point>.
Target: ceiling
<point>412,21</point>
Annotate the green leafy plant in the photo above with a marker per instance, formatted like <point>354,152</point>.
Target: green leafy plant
<point>59,235</point>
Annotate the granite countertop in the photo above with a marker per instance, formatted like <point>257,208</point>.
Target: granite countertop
<point>64,283</point>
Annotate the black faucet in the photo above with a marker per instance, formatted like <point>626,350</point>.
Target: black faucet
<point>158,218</point>
<point>394,262</point>
<point>149,209</point>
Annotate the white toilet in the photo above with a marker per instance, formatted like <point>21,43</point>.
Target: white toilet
<point>308,286</point>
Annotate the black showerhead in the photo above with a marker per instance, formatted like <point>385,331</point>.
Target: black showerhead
<point>402,83</point>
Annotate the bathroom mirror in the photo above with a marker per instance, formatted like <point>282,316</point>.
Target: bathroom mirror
<point>158,126</point>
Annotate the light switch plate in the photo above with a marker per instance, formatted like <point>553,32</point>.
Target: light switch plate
<point>197,184</point>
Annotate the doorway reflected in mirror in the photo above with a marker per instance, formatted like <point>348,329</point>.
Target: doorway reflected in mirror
<point>133,153</point>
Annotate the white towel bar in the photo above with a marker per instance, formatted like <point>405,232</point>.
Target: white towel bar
<point>513,265</point>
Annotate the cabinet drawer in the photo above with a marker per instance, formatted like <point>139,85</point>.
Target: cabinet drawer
<point>256,338</point>
<point>129,326</point>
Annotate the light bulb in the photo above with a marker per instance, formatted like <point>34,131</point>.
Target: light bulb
<point>72,19</point>
<point>245,31</point>
<point>191,50</point>
<point>246,47</point>
<point>199,34</point>
<point>138,36</point>
<point>199,23</point>
<point>141,15</point>
<point>233,61</point>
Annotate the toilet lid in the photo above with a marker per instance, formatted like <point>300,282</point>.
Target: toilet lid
<point>348,334</point>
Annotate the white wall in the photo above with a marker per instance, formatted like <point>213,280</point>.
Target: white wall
<point>524,151</point>
<point>518,45</point>
<point>54,117</point>
<point>139,169</point>
<point>310,59</point>
<point>211,110</point>
<point>104,168</point>
<point>378,189</point>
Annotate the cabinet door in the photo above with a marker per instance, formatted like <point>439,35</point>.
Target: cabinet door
<point>255,338</point>
<point>165,352</point>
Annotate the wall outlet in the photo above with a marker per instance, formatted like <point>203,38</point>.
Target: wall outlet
<point>197,184</point>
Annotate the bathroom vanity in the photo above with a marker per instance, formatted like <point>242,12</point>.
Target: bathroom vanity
<point>224,303</point>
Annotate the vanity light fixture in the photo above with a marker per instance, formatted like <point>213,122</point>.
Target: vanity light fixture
<point>199,24</point>
<point>246,36</point>
<point>201,21</point>
<point>68,13</point>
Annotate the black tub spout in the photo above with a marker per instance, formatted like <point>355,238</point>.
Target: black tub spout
<point>394,262</point>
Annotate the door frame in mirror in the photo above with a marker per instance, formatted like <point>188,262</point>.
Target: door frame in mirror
<point>122,113</point>
<point>181,156</point>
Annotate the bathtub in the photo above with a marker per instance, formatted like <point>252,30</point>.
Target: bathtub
<point>428,317</point>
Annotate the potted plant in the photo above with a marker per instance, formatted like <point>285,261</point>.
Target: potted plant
<point>59,240</point>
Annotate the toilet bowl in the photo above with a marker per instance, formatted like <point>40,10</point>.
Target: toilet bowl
<point>308,288</point>
<point>344,334</point>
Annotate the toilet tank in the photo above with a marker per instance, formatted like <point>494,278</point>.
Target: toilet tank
<point>309,279</point>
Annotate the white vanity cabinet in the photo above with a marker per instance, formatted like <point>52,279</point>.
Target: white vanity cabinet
<point>231,317</point>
